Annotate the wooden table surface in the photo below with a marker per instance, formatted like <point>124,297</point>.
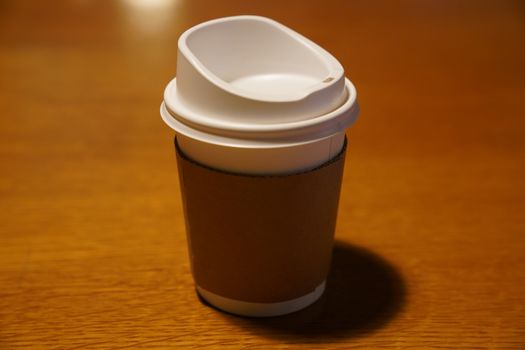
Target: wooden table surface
<point>431,227</point>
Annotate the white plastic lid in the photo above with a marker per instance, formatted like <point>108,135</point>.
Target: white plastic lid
<point>251,78</point>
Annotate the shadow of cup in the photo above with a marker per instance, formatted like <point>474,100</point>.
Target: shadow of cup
<point>363,293</point>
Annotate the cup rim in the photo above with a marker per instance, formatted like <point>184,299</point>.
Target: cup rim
<point>194,125</point>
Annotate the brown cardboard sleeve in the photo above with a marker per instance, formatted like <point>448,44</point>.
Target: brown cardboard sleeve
<point>256,238</point>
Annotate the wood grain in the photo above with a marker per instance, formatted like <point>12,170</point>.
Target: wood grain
<point>431,225</point>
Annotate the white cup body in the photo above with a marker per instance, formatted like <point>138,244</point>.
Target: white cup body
<point>284,158</point>
<point>277,160</point>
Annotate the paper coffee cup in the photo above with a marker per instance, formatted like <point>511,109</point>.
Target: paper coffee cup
<point>254,98</point>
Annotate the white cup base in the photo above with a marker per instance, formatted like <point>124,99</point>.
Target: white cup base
<point>244,308</point>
